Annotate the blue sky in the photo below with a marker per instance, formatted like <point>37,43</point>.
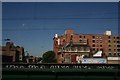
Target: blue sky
<point>33,25</point>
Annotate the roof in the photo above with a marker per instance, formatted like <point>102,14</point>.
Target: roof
<point>98,54</point>
<point>75,44</point>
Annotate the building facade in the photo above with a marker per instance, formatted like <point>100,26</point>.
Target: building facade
<point>12,53</point>
<point>89,44</point>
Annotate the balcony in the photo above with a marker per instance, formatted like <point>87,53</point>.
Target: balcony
<point>74,51</point>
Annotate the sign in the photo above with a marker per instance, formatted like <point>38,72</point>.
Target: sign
<point>113,58</point>
<point>94,60</point>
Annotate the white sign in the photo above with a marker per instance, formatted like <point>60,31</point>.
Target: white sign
<point>94,60</point>
<point>113,58</point>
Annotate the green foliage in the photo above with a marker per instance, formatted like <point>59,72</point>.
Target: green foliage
<point>49,57</point>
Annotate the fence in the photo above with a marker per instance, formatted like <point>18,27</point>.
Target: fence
<point>61,72</point>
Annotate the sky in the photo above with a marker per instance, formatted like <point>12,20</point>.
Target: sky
<point>60,0</point>
<point>33,25</point>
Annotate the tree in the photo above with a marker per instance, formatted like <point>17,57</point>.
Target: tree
<point>49,57</point>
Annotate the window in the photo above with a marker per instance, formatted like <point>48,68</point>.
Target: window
<point>117,37</point>
<point>100,36</point>
<point>67,59</point>
<point>62,55</point>
<point>114,45</point>
<point>72,49</point>
<point>109,41</point>
<point>79,49</point>
<point>118,50</point>
<point>97,41</point>
<point>115,54</point>
<point>71,37</point>
<point>93,49</point>
<point>63,40</point>
<point>85,41</point>
<point>85,49</point>
<point>118,54</point>
<point>69,49</point>
<point>109,45</point>
<point>80,40</point>
<point>93,41</point>
<point>97,49</point>
<point>84,36</point>
<point>71,40</point>
<point>118,45</point>
<point>97,45</point>
<point>118,41</point>
<point>109,54</point>
<point>93,36</point>
<point>101,49</point>
<point>93,45</point>
<point>109,49</point>
<point>100,45</point>
<point>109,37</point>
<point>80,37</point>
<point>76,48</point>
<point>100,41</point>
<point>114,49</point>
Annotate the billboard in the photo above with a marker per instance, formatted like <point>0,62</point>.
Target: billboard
<point>94,60</point>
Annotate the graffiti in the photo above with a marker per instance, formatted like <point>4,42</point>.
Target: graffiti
<point>59,66</point>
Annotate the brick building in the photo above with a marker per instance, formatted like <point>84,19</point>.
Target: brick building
<point>12,53</point>
<point>70,45</point>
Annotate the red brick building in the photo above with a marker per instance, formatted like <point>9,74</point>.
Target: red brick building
<point>69,45</point>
